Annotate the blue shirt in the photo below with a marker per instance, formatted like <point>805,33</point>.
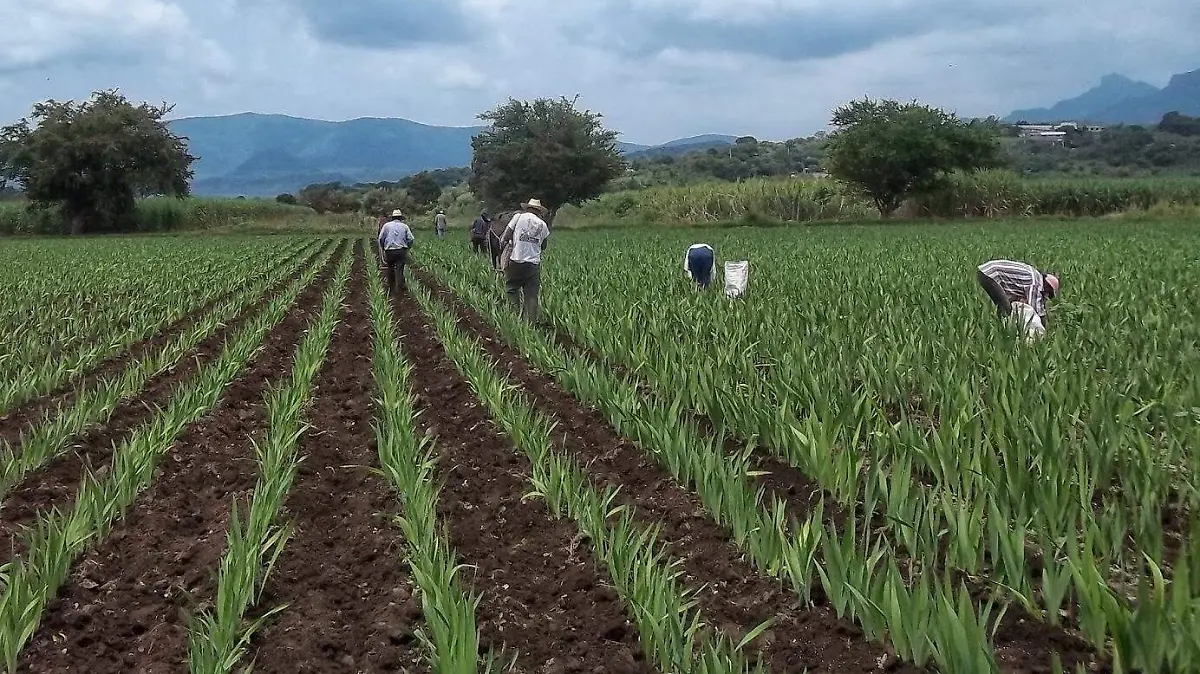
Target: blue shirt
<point>395,235</point>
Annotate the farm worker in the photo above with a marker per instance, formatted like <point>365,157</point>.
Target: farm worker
<point>700,264</point>
<point>479,230</point>
<point>528,233</point>
<point>1008,282</point>
<point>394,241</point>
<point>440,223</point>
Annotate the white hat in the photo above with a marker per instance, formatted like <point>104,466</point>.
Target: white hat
<point>535,205</point>
<point>397,213</point>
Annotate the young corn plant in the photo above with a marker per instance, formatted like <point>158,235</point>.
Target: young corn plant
<point>450,634</point>
<point>58,538</point>
<point>219,637</point>
<point>668,619</point>
<point>96,404</point>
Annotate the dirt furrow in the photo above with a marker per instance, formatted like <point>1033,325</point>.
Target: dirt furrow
<point>737,598</point>
<point>56,482</point>
<point>342,576</point>
<point>542,593</point>
<point>126,604</point>
<point>21,418</point>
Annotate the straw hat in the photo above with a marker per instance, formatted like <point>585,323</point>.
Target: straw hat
<point>397,213</point>
<point>1053,282</point>
<point>536,205</point>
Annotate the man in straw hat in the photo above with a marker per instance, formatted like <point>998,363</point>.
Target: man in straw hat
<point>395,238</point>
<point>1008,282</point>
<point>528,233</point>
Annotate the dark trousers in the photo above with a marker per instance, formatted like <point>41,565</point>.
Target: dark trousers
<point>996,293</point>
<point>395,261</point>
<point>700,261</point>
<point>524,278</point>
<point>494,248</point>
<point>477,244</point>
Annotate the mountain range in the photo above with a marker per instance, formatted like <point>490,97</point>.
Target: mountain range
<point>1120,100</point>
<point>264,155</point>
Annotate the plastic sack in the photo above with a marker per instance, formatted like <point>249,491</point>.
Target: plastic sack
<point>737,277</point>
<point>1028,322</point>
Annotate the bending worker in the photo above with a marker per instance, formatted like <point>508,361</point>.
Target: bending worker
<point>700,264</point>
<point>394,241</point>
<point>1007,282</point>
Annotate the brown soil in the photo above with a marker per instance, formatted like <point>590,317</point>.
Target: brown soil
<point>56,482</point>
<point>342,576</point>
<point>22,418</point>
<point>737,597</point>
<point>542,594</point>
<point>126,604</point>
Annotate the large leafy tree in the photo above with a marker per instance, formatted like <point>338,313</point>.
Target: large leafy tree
<point>95,158</point>
<point>544,149</point>
<point>423,189</point>
<point>894,150</point>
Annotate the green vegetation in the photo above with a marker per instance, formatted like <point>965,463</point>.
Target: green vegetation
<point>955,450</point>
<point>545,149</point>
<point>94,159</point>
<point>891,151</point>
<point>160,214</point>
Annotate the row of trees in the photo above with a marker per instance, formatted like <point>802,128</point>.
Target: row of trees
<point>94,159</point>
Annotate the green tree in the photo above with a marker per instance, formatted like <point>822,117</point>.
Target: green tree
<point>287,198</point>
<point>544,149</point>
<point>893,150</point>
<point>423,189</point>
<point>95,158</point>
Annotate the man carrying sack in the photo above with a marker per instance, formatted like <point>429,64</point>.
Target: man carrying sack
<point>395,238</point>
<point>528,233</point>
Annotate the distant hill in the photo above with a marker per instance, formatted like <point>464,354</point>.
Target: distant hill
<point>1120,100</point>
<point>682,146</point>
<point>254,154</point>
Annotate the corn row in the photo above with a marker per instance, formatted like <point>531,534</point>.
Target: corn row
<point>930,620</point>
<point>139,321</point>
<point>450,635</point>
<point>668,619</point>
<point>57,538</point>
<point>218,637</point>
<point>96,403</point>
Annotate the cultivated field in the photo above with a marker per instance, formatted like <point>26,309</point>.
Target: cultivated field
<point>220,452</point>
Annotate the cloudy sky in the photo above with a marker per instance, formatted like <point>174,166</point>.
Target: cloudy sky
<point>657,69</point>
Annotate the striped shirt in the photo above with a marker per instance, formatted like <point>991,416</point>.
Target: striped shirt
<point>1019,281</point>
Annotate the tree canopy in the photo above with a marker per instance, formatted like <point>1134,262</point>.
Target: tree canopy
<point>423,189</point>
<point>544,149</point>
<point>893,150</point>
<point>95,158</point>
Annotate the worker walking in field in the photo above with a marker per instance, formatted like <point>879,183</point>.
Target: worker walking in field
<point>528,233</point>
<point>479,231</point>
<point>395,239</point>
<point>700,264</point>
<point>439,223</point>
<point>1010,283</point>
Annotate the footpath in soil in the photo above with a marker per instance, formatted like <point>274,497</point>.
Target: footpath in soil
<point>56,483</point>
<point>350,607</point>
<point>126,604</point>
<point>737,597</point>
<point>21,418</point>
<point>542,593</point>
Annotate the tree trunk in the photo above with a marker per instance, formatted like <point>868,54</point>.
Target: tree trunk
<point>550,217</point>
<point>78,223</point>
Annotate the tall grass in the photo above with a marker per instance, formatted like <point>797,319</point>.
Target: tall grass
<point>157,214</point>
<point>807,199</point>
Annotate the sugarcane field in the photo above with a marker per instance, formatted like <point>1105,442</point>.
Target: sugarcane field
<point>271,451</point>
